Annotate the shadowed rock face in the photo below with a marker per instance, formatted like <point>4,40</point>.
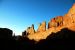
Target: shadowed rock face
<point>55,25</point>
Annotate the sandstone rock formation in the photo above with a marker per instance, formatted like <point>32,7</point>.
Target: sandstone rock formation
<point>72,10</point>
<point>69,18</point>
<point>55,22</point>
<point>52,23</point>
<point>55,25</point>
<point>42,27</point>
<point>30,30</point>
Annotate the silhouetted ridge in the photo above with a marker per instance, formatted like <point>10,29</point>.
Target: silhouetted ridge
<point>5,33</point>
<point>63,34</point>
<point>63,39</point>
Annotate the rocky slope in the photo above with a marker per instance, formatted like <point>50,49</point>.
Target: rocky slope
<point>55,25</point>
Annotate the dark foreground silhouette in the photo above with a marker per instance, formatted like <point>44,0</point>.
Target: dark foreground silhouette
<point>63,39</point>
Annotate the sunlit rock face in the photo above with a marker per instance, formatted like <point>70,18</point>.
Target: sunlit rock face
<point>55,22</point>
<point>72,10</point>
<point>52,23</point>
<point>55,25</point>
<point>42,27</point>
<point>71,13</point>
<point>30,30</point>
<point>69,18</point>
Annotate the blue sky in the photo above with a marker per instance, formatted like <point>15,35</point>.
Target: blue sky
<point>17,15</point>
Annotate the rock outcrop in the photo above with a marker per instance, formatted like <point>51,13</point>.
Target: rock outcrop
<point>72,10</point>
<point>55,22</point>
<point>30,30</point>
<point>42,27</point>
<point>55,25</point>
<point>52,23</point>
<point>69,18</point>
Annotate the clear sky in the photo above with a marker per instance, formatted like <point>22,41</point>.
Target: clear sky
<point>17,15</point>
